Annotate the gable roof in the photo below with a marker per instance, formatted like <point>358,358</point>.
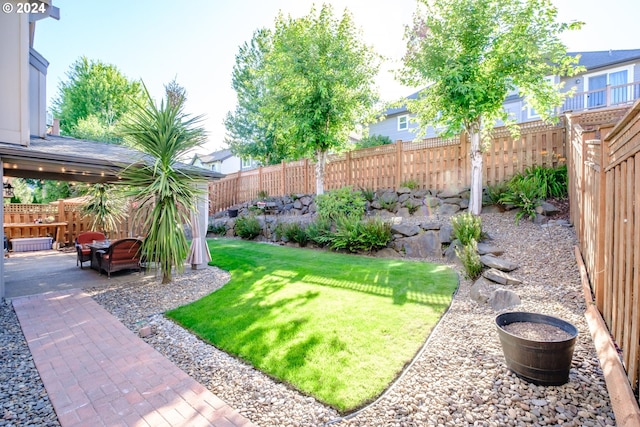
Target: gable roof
<point>216,156</point>
<point>605,58</point>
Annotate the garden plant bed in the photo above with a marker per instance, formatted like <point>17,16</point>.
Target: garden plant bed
<point>536,331</point>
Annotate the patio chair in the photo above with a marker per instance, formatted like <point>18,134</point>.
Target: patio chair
<point>84,253</point>
<point>124,254</point>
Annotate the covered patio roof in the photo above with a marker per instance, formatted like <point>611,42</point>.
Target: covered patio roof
<point>68,159</point>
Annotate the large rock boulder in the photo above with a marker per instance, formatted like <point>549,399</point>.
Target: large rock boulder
<point>448,209</point>
<point>485,248</point>
<point>422,245</point>
<point>503,299</point>
<point>406,230</point>
<point>501,277</point>
<point>481,290</point>
<point>498,263</point>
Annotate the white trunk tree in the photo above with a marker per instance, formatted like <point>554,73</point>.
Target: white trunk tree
<point>475,199</point>
<point>321,161</point>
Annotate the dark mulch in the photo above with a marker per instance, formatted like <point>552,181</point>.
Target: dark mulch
<point>562,205</point>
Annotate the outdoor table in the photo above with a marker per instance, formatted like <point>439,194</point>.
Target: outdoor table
<point>95,247</point>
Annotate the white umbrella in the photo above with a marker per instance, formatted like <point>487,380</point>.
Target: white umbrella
<point>198,253</point>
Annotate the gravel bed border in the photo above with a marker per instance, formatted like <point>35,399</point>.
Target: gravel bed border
<point>458,379</point>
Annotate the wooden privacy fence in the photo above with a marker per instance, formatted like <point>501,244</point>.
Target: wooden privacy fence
<point>604,174</point>
<point>67,221</point>
<point>433,163</point>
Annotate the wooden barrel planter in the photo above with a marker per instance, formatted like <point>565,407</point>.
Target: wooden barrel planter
<point>543,361</point>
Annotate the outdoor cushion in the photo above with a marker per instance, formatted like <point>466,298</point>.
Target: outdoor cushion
<point>84,253</point>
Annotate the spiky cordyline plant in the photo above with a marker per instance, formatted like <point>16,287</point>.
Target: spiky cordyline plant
<point>165,195</point>
<point>106,207</point>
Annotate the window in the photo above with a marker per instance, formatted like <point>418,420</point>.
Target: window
<point>246,163</point>
<point>216,166</point>
<point>403,122</point>
<point>608,87</point>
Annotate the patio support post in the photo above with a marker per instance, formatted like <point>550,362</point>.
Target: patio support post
<point>2,220</point>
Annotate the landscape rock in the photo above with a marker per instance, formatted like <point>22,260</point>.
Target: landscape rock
<point>446,233</point>
<point>407,230</point>
<point>547,209</point>
<point>481,290</point>
<point>448,193</point>
<point>501,277</point>
<point>387,253</point>
<point>423,245</point>
<point>498,263</point>
<point>430,225</point>
<point>503,299</point>
<point>485,248</point>
<point>431,201</point>
<point>448,209</point>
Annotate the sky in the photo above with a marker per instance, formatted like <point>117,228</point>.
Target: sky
<point>196,41</point>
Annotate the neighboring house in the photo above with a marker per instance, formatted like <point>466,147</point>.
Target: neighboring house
<point>223,161</point>
<point>611,78</point>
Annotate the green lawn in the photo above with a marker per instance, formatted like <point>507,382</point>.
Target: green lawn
<point>339,327</point>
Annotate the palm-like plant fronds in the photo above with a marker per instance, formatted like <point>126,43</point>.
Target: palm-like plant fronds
<point>105,206</point>
<point>164,194</point>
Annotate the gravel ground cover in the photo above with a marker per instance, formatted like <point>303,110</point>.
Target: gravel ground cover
<point>459,378</point>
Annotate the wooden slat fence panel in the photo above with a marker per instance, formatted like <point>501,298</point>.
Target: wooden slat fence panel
<point>433,163</point>
<point>605,207</point>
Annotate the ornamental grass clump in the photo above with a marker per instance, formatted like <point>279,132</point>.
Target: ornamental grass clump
<point>467,227</point>
<point>468,255</point>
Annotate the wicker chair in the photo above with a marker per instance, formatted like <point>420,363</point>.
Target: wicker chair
<point>122,254</point>
<point>84,253</point>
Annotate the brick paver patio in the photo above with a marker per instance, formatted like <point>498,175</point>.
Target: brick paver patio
<point>97,372</point>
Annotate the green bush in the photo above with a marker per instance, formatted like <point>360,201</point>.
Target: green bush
<point>375,234</point>
<point>411,206</point>
<point>248,227</point>
<point>219,228</point>
<point>319,231</point>
<point>343,201</point>
<point>495,192</point>
<point>410,184</point>
<point>293,232</point>
<point>388,204</point>
<point>373,141</point>
<point>263,195</point>
<point>553,182</point>
<point>355,235</point>
<point>470,259</point>
<point>368,194</point>
<point>467,228</point>
<point>524,193</point>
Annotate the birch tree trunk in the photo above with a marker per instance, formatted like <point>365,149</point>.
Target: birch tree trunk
<point>321,161</point>
<point>475,199</point>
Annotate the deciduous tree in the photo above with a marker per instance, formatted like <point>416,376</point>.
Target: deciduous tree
<point>471,53</point>
<point>93,98</point>
<point>319,76</point>
<point>248,135</point>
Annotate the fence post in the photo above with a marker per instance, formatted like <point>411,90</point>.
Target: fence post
<point>283,179</point>
<point>349,168</point>
<point>398,163</point>
<point>598,280</point>
<point>260,179</point>
<point>61,218</point>
<point>305,176</point>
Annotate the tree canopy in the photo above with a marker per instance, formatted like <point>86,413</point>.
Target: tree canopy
<point>314,78</point>
<point>93,98</point>
<point>248,134</point>
<point>471,53</point>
